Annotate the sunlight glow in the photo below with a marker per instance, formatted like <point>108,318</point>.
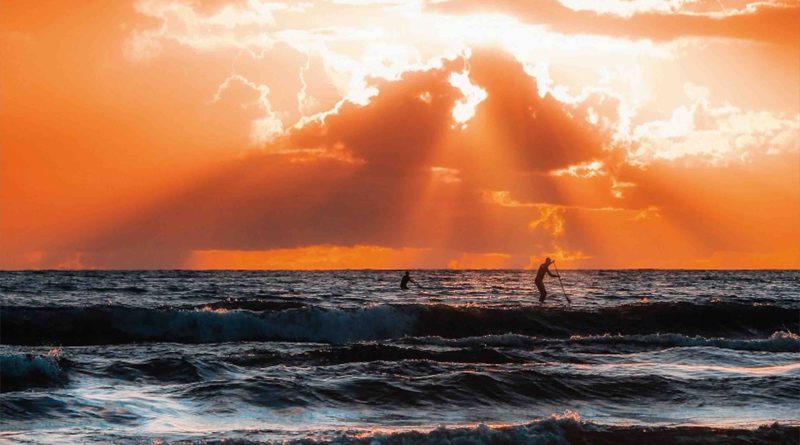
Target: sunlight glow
<point>583,170</point>
<point>363,133</point>
<point>464,109</point>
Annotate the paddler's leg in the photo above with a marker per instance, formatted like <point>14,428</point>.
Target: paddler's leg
<point>542,291</point>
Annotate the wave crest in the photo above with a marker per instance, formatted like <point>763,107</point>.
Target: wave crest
<point>23,371</point>
<point>779,341</point>
<point>116,324</point>
<point>562,429</point>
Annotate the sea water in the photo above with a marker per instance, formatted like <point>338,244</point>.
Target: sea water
<point>640,356</point>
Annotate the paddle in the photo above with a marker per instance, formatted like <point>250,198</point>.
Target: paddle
<point>562,284</point>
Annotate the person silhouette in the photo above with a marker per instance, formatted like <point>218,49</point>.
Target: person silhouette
<point>543,269</point>
<point>405,280</point>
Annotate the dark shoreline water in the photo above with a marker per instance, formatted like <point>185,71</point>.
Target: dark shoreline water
<point>345,357</point>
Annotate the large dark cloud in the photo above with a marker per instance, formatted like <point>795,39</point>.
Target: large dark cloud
<point>365,176</point>
<point>769,23</point>
<point>399,173</point>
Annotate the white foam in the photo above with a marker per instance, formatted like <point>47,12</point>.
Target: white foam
<point>780,341</point>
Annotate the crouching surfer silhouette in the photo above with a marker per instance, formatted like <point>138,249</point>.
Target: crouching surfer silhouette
<point>543,269</point>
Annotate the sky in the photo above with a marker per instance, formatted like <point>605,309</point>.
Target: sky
<point>399,134</point>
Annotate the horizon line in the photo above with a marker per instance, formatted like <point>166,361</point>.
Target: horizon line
<point>390,269</point>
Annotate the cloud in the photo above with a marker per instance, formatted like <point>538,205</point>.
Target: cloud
<point>550,219</point>
<point>142,45</point>
<point>221,26</point>
<point>713,8</point>
<point>715,134</point>
<point>265,128</point>
<point>772,23</point>
<point>480,261</point>
<point>464,109</point>
<point>351,110</point>
<point>399,172</point>
<point>565,258</point>
<point>343,46</point>
<point>324,257</point>
<point>584,170</point>
<point>650,212</point>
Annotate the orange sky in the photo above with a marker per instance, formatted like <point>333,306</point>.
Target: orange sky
<point>400,134</point>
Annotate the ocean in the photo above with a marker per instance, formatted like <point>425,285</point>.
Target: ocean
<point>346,357</point>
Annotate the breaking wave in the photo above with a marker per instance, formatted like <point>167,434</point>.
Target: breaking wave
<point>23,371</point>
<point>117,324</point>
<point>779,341</point>
<point>559,429</point>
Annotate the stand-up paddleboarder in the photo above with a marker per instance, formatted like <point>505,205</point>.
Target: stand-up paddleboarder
<point>543,269</point>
